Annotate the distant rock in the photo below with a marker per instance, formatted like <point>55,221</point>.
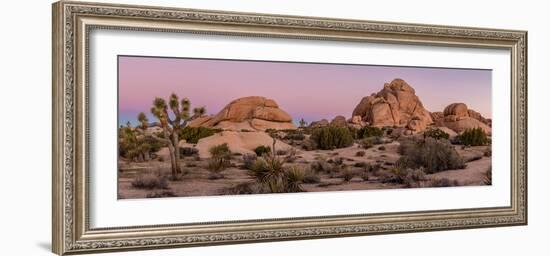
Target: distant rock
<point>395,105</point>
<point>458,118</point>
<point>339,121</point>
<point>320,123</point>
<point>251,113</point>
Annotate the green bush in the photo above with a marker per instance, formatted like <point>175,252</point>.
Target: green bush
<point>221,158</point>
<point>436,134</point>
<point>368,131</point>
<point>194,134</point>
<point>431,154</point>
<point>295,136</point>
<point>261,150</point>
<point>188,151</point>
<point>332,137</point>
<point>473,137</point>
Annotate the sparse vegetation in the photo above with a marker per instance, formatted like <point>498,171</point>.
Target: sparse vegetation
<point>368,131</point>
<point>347,175</point>
<point>431,154</point>
<point>188,151</point>
<point>248,160</point>
<point>360,153</point>
<point>194,134</point>
<point>473,137</point>
<point>443,182</point>
<point>332,137</point>
<point>221,158</point>
<point>262,150</point>
<point>150,181</point>
<point>436,133</point>
<point>274,177</point>
<point>160,194</point>
<point>311,177</point>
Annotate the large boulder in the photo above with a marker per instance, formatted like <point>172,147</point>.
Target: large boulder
<point>395,105</point>
<point>458,118</point>
<point>250,113</point>
<point>238,142</point>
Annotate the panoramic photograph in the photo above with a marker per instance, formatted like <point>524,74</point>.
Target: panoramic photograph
<point>213,127</point>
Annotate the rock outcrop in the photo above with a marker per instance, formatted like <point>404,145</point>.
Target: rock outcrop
<point>339,121</point>
<point>458,118</point>
<point>320,123</point>
<point>238,142</point>
<point>250,113</point>
<point>395,105</point>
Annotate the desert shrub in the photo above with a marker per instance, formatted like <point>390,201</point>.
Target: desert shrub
<point>473,137</point>
<point>347,175</point>
<point>194,134</point>
<point>332,137</point>
<point>160,194</point>
<point>360,165</point>
<point>160,158</point>
<point>414,178</point>
<point>246,188</point>
<point>309,145</point>
<point>221,158</point>
<point>261,150</point>
<point>368,131</point>
<point>150,181</point>
<point>245,130</point>
<point>311,177</point>
<point>369,142</point>
<point>366,143</point>
<point>321,165</point>
<point>443,182</point>
<point>436,134</point>
<point>281,152</point>
<point>248,160</point>
<point>382,148</point>
<point>431,154</point>
<point>274,177</point>
<point>337,161</point>
<point>295,136</point>
<point>188,151</point>
<point>360,153</point>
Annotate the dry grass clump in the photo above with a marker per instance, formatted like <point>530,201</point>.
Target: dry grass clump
<point>150,181</point>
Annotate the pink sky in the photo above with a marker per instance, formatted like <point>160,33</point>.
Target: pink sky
<point>304,90</point>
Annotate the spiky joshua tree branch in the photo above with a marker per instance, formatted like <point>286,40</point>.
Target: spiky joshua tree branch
<point>171,124</point>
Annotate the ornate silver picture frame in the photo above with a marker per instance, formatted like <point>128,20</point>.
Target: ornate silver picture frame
<point>72,24</point>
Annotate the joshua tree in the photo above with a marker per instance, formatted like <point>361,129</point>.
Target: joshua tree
<point>303,123</point>
<point>171,126</point>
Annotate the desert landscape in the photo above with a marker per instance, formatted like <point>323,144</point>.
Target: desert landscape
<point>253,146</point>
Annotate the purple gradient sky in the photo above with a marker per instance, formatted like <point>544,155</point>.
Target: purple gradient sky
<point>309,91</point>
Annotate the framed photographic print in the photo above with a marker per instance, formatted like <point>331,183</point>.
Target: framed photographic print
<point>179,127</point>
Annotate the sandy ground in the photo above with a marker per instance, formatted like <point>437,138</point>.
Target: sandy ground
<point>196,181</point>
